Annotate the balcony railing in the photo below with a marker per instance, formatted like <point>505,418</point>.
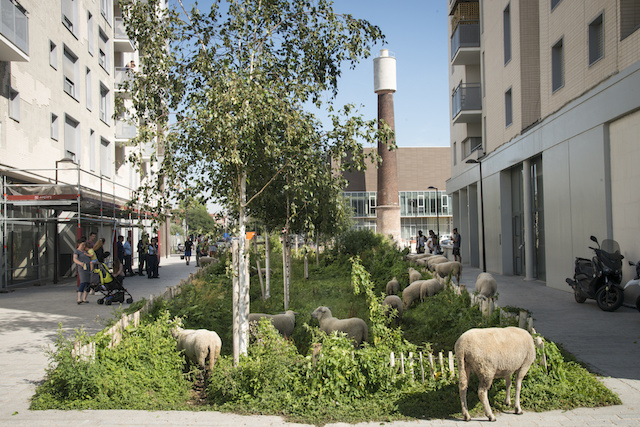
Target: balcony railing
<point>125,130</point>
<point>121,41</point>
<point>14,25</point>
<point>470,145</point>
<point>122,75</point>
<point>466,34</point>
<point>466,97</point>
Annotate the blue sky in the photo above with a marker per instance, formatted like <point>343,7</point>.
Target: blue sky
<point>416,32</point>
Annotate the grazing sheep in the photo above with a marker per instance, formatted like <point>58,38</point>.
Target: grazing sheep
<point>414,275</point>
<point>393,301</point>
<point>486,285</point>
<point>422,262</point>
<point>433,261</point>
<point>411,293</point>
<point>452,267</point>
<point>198,345</point>
<point>284,322</point>
<point>393,286</point>
<point>429,288</point>
<point>491,353</point>
<point>206,260</point>
<point>354,327</point>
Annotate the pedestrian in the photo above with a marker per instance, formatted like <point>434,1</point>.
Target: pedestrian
<point>98,249</point>
<point>93,237</point>
<point>118,270</point>
<point>83,262</point>
<point>420,242</point>
<point>198,249</point>
<point>187,249</point>
<point>128,254</point>
<point>456,245</point>
<point>152,259</point>
<point>431,241</point>
<point>120,249</point>
<point>143,244</point>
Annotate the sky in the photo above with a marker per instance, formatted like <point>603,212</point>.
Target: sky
<point>416,32</point>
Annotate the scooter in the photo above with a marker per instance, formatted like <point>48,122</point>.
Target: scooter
<point>632,289</point>
<point>599,278</point>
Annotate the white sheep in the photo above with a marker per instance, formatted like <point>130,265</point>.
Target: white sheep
<point>206,260</point>
<point>394,301</point>
<point>354,327</point>
<point>433,261</point>
<point>422,262</point>
<point>414,275</point>
<point>491,353</point>
<point>198,345</point>
<point>411,293</point>
<point>452,267</point>
<point>486,285</point>
<point>393,286</point>
<point>284,322</point>
<point>429,288</point>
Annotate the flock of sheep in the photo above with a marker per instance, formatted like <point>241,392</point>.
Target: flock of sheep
<point>489,352</point>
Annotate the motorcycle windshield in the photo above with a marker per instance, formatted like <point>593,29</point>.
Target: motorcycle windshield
<point>610,254</point>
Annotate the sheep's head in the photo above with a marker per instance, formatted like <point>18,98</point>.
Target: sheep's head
<point>321,312</point>
<point>175,332</point>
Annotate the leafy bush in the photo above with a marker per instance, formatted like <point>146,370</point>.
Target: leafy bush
<point>143,372</point>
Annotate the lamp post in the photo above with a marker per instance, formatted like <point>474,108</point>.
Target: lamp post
<point>484,251</point>
<point>437,216</point>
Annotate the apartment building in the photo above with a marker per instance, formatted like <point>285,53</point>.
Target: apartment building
<point>62,150</point>
<point>545,113</point>
<point>424,204</point>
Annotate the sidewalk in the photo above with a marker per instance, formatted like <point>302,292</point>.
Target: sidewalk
<point>607,342</point>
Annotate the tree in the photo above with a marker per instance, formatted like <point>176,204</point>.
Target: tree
<point>237,78</point>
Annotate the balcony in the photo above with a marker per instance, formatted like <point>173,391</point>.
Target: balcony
<point>121,42</point>
<point>466,103</point>
<point>14,32</point>
<point>471,145</point>
<point>465,43</point>
<point>125,130</point>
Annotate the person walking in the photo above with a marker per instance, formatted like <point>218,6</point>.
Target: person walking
<point>420,242</point>
<point>431,241</point>
<point>83,262</point>
<point>143,244</point>
<point>152,259</point>
<point>187,249</point>
<point>456,245</point>
<point>128,254</point>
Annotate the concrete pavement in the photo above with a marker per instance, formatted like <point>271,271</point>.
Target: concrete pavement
<point>607,342</point>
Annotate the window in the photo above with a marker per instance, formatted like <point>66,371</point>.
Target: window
<point>455,156</point>
<point>90,33</point>
<point>508,108</point>
<point>54,126</point>
<point>104,104</point>
<point>53,55</point>
<point>92,150</point>
<point>629,17</point>
<point>554,3</point>
<point>14,104</point>
<point>105,158</point>
<point>120,157</point>
<point>506,25</point>
<point>103,50</point>
<point>69,70</point>
<point>87,84</point>
<point>596,40</point>
<point>557,66</point>
<point>104,9</point>
<point>71,138</point>
<point>70,15</point>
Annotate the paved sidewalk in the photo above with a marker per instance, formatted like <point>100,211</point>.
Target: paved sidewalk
<point>607,342</point>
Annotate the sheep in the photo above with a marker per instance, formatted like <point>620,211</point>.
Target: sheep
<point>205,260</point>
<point>354,327</point>
<point>422,262</point>
<point>452,267</point>
<point>411,293</point>
<point>486,285</point>
<point>284,322</point>
<point>429,288</point>
<point>198,345</point>
<point>414,275</point>
<point>438,259</point>
<point>393,301</point>
<point>490,353</point>
<point>393,286</point>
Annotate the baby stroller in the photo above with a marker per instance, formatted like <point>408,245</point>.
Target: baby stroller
<point>110,286</point>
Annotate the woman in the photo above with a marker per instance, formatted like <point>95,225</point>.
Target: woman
<point>118,270</point>
<point>83,261</point>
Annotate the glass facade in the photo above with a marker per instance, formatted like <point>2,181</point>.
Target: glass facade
<point>424,203</point>
<point>363,203</point>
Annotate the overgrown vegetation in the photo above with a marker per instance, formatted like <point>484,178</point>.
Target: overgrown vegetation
<point>284,377</point>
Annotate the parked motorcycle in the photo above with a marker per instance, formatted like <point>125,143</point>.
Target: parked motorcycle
<point>632,289</point>
<point>599,278</point>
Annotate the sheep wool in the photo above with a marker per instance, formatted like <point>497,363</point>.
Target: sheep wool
<point>198,345</point>
<point>414,275</point>
<point>490,353</point>
<point>284,322</point>
<point>452,267</point>
<point>433,261</point>
<point>393,286</point>
<point>393,301</point>
<point>486,285</point>
<point>354,327</point>
<point>430,287</point>
<point>411,293</point>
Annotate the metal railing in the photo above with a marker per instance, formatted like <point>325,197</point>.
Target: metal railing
<point>14,24</point>
<point>466,34</point>
<point>466,97</point>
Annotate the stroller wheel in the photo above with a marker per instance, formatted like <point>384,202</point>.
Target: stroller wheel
<point>129,300</point>
<point>108,302</point>
<point>101,301</point>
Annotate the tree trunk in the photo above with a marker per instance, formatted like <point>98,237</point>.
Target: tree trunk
<point>318,249</point>
<point>306,259</point>
<point>267,262</point>
<point>241,309</point>
<point>255,245</point>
